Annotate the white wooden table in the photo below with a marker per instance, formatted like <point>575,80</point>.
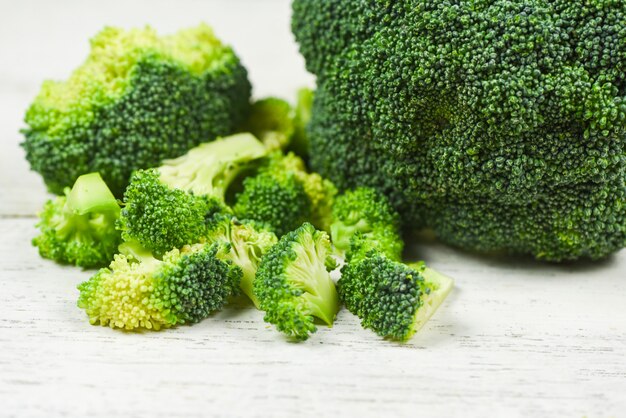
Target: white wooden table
<point>515,338</point>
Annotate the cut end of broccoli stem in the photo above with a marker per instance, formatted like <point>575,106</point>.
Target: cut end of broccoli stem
<point>91,194</point>
<point>437,287</point>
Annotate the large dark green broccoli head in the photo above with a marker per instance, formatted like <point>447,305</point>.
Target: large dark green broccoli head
<point>500,124</point>
<point>136,100</point>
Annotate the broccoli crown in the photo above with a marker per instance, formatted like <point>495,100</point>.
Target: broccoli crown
<point>140,291</point>
<point>500,124</point>
<point>392,299</point>
<point>283,195</point>
<point>293,283</point>
<point>366,211</point>
<point>79,227</point>
<point>272,121</point>
<point>249,241</point>
<point>172,205</point>
<point>137,99</point>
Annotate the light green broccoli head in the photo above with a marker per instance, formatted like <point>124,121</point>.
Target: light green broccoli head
<point>293,283</point>
<point>138,291</point>
<point>79,227</point>
<point>391,298</point>
<point>368,212</point>
<point>136,100</point>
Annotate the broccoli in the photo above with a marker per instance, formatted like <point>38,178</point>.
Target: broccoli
<point>249,241</point>
<point>283,195</point>
<point>170,206</point>
<point>272,121</point>
<point>299,143</point>
<point>368,212</point>
<point>293,283</point>
<point>79,227</point>
<point>138,290</point>
<point>391,298</point>
<point>136,100</point>
<point>499,124</point>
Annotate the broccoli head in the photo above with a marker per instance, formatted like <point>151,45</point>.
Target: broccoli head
<point>499,124</point>
<point>391,298</point>
<point>136,100</point>
<point>249,241</point>
<point>79,227</point>
<point>368,212</point>
<point>139,291</point>
<point>293,283</point>
<point>272,121</point>
<point>172,205</point>
<point>283,195</point>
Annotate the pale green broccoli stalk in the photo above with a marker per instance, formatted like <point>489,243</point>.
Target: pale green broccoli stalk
<point>368,212</point>
<point>139,291</point>
<point>299,143</point>
<point>172,205</point>
<point>249,241</point>
<point>136,100</point>
<point>392,299</point>
<point>283,195</point>
<point>79,227</point>
<point>293,283</point>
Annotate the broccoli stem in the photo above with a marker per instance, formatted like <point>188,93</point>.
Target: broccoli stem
<point>91,194</point>
<point>435,289</point>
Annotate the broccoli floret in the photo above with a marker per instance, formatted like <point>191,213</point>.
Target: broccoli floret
<point>368,212</point>
<point>499,124</point>
<point>136,100</point>
<point>79,227</point>
<point>272,121</point>
<point>293,283</point>
<point>138,290</point>
<point>249,241</point>
<point>299,143</point>
<point>391,298</point>
<point>172,205</point>
<point>283,195</point>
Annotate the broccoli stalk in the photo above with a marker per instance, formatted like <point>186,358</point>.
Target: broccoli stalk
<point>293,283</point>
<point>79,228</point>
<point>435,288</point>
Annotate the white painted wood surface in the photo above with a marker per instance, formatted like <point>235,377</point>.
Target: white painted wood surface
<point>515,338</point>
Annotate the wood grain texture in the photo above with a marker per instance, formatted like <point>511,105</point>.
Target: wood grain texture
<point>515,338</point>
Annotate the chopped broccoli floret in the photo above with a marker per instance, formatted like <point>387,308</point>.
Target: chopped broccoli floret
<point>498,124</point>
<point>391,298</point>
<point>79,227</point>
<point>138,290</point>
<point>293,283</point>
<point>272,121</point>
<point>283,195</point>
<point>249,242</point>
<point>136,100</point>
<point>368,212</point>
<point>171,206</point>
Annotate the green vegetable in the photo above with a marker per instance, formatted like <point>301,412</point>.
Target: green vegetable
<point>392,299</point>
<point>368,212</point>
<point>283,196</point>
<point>172,205</point>
<point>138,290</point>
<point>79,227</point>
<point>136,100</point>
<point>249,241</point>
<point>299,143</point>
<point>293,283</point>
<point>498,124</point>
<point>272,121</point>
